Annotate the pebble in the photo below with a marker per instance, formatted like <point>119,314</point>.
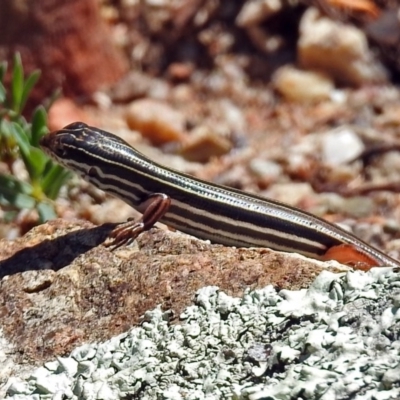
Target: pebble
<point>156,121</point>
<point>204,144</point>
<point>232,116</point>
<point>339,50</point>
<point>255,12</point>
<point>289,193</point>
<point>132,86</point>
<point>388,167</point>
<point>180,71</point>
<point>265,169</point>
<point>357,207</point>
<point>339,146</point>
<point>302,86</point>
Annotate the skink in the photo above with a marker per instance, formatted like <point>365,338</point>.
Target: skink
<point>205,210</point>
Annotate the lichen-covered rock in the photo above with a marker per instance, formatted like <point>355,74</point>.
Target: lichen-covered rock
<point>60,287</point>
<point>338,339</point>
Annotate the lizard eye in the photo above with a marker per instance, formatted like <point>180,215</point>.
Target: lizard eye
<point>59,149</point>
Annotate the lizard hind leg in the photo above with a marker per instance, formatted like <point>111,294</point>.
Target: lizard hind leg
<point>154,208</point>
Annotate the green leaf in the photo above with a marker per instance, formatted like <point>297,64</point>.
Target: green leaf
<point>39,125</point>
<point>6,129</point>
<point>8,139</point>
<point>15,193</point>
<point>3,70</point>
<point>35,162</point>
<point>56,177</point>
<point>23,201</point>
<point>11,181</point>
<point>21,138</point>
<point>27,88</point>
<point>2,93</point>
<point>34,159</point>
<point>46,211</point>
<point>17,83</point>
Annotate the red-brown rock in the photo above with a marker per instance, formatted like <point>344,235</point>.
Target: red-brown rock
<point>67,40</point>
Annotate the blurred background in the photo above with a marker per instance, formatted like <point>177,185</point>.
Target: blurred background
<point>294,100</point>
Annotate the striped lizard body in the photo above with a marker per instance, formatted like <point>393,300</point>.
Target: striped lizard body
<point>205,210</point>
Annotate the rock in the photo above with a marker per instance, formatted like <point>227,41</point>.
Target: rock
<point>340,146</point>
<point>339,50</point>
<point>94,294</point>
<point>266,170</point>
<point>302,86</point>
<point>204,144</point>
<point>389,167</point>
<point>136,85</point>
<point>254,12</point>
<point>336,339</point>
<point>232,115</point>
<point>69,42</point>
<point>180,71</point>
<point>290,193</point>
<point>357,206</point>
<point>156,121</point>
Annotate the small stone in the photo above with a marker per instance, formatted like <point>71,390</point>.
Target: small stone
<point>389,167</point>
<point>254,12</point>
<point>265,169</point>
<point>358,206</point>
<point>339,50</point>
<point>109,393</point>
<point>156,121</point>
<point>204,144</point>
<point>340,146</point>
<point>390,116</point>
<point>302,86</point>
<point>132,86</point>
<point>180,71</point>
<point>233,116</point>
<point>290,193</point>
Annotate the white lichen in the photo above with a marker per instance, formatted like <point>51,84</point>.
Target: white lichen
<point>338,339</point>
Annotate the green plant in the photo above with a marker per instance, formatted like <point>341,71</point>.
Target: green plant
<point>20,139</point>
